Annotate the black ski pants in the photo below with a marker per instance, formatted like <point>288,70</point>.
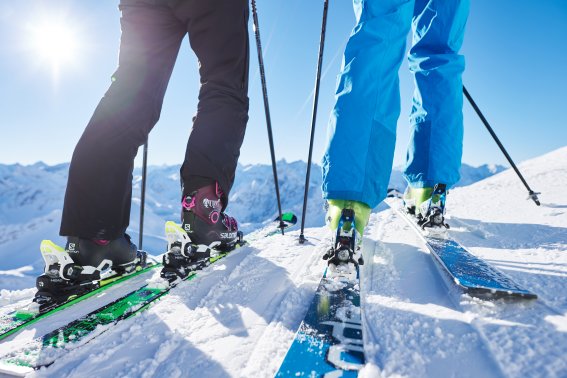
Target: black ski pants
<point>99,188</point>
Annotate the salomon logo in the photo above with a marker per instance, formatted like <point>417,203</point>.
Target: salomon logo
<point>71,247</point>
<point>187,227</point>
<point>228,235</point>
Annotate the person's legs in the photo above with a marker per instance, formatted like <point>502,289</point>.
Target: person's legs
<point>436,144</point>
<point>97,200</point>
<point>362,129</point>
<point>218,33</point>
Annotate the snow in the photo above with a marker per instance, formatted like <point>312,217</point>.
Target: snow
<point>238,317</point>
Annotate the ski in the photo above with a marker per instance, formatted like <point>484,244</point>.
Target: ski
<point>30,313</point>
<point>329,342</point>
<point>288,221</point>
<point>43,351</point>
<point>469,273</point>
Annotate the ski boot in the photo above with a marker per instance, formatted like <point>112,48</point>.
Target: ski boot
<point>81,266</point>
<point>204,219</point>
<point>414,197</point>
<point>205,232</point>
<point>345,255</point>
<point>334,214</point>
<point>428,206</point>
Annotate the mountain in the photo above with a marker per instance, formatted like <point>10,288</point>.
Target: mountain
<point>239,318</point>
<point>31,198</point>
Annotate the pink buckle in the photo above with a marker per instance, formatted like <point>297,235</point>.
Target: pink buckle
<point>190,205</point>
<point>218,190</point>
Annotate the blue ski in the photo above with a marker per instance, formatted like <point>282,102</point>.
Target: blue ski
<point>471,274</point>
<point>329,341</point>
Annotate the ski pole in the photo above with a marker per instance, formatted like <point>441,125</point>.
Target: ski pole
<point>267,110</point>
<point>532,195</point>
<point>314,117</point>
<point>143,195</point>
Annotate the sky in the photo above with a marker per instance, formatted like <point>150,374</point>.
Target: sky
<point>49,87</point>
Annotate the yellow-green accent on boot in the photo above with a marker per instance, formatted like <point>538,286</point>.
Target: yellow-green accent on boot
<point>414,197</point>
<point>361,213</point>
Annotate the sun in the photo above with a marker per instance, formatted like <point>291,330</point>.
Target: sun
<point>54,43</point>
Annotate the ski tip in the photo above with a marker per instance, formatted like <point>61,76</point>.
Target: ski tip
<point>524,294</point>
<point>500,294</point>
<point>289,219</point>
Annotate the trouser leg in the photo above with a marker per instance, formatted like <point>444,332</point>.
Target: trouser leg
<point>218,33</point>
<point>99,188</point>
<point>436,144</point>
<point>362,128</point>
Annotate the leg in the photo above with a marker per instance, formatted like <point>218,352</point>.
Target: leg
<point>99,190</point>
<point>218,32</point>
<point>435,150</point>
<point>362,128</point>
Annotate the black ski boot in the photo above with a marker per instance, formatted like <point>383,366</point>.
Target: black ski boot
<point>204,219</point>
<point>205,232</point>
<point>80,267</point>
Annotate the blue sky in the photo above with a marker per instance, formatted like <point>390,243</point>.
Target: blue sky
<point>514,50</point>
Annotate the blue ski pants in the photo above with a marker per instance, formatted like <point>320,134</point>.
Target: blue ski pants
<point>362,129</point>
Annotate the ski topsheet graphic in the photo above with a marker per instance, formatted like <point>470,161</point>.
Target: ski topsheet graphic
<point>43,351</point>
<point>329,342</point>
<point>470,273</point>
<point>29,314</point>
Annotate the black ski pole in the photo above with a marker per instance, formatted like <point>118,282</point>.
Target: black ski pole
<point>314,118</point>
<point>267,110</point>
<point>531,193</point>
<point>143,196</point>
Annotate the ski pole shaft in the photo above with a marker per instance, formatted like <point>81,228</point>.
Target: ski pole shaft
<point>314,117</point>
<point>267,109</point>
<point>143,196</point>
<point>531,193</point>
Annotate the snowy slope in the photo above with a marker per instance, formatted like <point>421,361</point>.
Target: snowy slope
<point>239,317</point>
<point>418,330</point>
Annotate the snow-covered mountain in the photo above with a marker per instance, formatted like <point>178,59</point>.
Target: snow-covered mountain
<point>239,318</point>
